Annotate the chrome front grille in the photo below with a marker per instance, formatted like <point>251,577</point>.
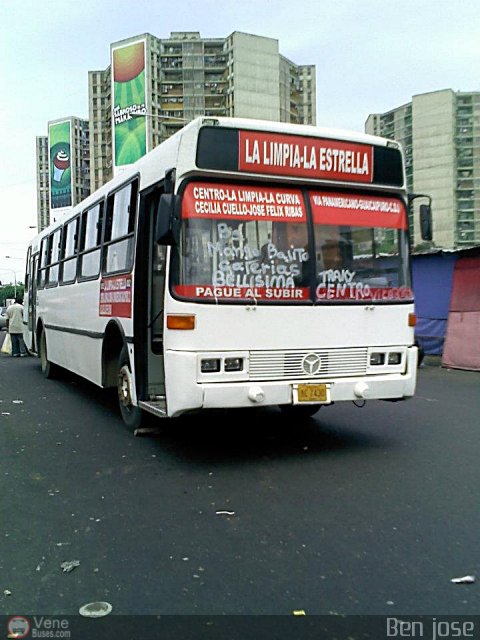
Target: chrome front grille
<point>307,364</point>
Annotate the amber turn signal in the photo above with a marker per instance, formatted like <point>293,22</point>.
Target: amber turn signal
<point>180,321</point>
<point>412,320</point>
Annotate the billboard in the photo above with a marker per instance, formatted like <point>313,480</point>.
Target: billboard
<point>60,164</point>
<point>129,103</point>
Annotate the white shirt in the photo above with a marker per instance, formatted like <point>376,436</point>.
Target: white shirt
<point>14,314</point>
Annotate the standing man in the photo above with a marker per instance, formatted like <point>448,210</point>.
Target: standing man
<point>14,315</point>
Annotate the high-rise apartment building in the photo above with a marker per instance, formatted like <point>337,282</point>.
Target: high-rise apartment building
<point>153,87</point>
<point>43,191</point>
<point>440,135</point>
<point>63,168</point>
<point>171,81</point>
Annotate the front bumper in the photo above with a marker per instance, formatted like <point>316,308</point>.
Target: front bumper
<point>189,395</point>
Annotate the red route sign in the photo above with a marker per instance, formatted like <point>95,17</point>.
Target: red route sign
<point>227,201</point>
<point>213,292</point>
<point>357,210</point>
<point>317,158</point>
<point>116,297</point>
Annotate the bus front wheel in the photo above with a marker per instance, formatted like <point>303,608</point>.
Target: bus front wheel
<point>131,415</point>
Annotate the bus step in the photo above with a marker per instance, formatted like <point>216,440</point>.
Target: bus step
<point>157,407</point>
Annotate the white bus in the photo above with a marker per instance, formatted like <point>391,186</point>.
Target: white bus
<point>241,263</point>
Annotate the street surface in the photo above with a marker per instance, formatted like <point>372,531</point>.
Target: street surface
<point>358,511</point>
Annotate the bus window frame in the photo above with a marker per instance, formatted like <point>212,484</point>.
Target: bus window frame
<point>108,219</point>
<point>244,181</point>
<point>74,256</point>
<point>98,245</point>
<point>305,189</point>
<point>42,266</point>
<point>27,269</point>
<point>50,284</point>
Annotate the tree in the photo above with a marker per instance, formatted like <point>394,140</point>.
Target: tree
<point>7,292</point>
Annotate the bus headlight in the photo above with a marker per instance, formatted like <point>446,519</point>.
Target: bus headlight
<point>210,365</point>
<point>377,358</point>
<point>394,358</point>
<point>386,360</point>
<point>227,366</point>
<point>233,364</point>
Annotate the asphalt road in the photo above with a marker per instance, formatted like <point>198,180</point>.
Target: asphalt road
<point>358,511</point>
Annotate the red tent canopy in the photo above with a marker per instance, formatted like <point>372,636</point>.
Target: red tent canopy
<point>462,340</point>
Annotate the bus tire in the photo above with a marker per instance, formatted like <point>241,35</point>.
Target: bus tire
<point>48,368</point>
<point>132,415</point>
<point>421,354</point>
<point>301,412</point>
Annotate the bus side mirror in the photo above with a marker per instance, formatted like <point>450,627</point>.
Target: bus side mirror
<point>426,227</point>
<point>426,222</point>
<point>167,231</point>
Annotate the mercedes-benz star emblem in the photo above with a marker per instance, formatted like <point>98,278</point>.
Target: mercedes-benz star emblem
<point>311,364</point>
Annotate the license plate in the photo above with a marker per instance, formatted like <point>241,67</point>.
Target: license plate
<point>312,393</point>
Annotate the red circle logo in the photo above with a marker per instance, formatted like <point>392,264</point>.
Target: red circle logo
<point>18,627</point>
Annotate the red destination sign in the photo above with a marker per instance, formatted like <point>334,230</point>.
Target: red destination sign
<point>316,158</point>
<point>116,297</point>
<point>204,200</point>
<point>357,210</point>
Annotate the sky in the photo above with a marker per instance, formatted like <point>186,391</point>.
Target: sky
<point>370,56</point>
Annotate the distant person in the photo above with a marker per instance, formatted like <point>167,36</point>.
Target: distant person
<point>264,257</point>
<point>14,315</point>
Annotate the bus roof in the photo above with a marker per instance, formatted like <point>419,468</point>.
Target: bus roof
<point>294,129</point>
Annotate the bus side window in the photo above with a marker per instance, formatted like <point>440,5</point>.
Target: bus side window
<point>54,256</point>
<point>119,229</point>
<point>69,252</point>
<point>90,238</point>
<point>43,263</point>
<point>47,244</point>
<point>28,269</point>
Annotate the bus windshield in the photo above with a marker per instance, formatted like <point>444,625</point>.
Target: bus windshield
<point>250,242</point>
<point>361,248</point>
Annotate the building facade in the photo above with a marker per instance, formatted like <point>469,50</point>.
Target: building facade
<point>63,168</point>
<point>43,191</point>
<point>153,87</point>
<point>186,76</point>
<point>440,135</point>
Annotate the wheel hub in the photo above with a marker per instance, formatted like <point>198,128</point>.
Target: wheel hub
<point>124,386</point>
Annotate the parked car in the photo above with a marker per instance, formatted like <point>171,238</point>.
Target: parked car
<point>3,318</point>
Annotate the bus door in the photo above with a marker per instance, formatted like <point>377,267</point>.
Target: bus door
<point>148,308</point>
<point>156,374</point>
<point>32,301</point>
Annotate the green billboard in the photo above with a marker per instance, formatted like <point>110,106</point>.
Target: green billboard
<point>59,148</point>
<point>129,103</point>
